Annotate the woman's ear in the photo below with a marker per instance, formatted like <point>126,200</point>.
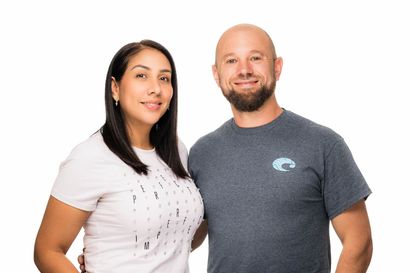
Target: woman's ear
<point>115,89</point>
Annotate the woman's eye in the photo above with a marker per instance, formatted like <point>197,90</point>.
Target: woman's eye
<point>141,76</point>
<point>165,78</point>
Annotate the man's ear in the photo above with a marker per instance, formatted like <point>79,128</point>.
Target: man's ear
<point>215,73</point>
<point>277,66</point>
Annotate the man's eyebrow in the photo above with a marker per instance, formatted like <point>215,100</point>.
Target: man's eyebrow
<point>227,55</point>
<point>257,52</point>
<point>250,52</point>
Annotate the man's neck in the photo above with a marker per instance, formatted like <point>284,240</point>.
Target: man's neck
<point>268,112</point>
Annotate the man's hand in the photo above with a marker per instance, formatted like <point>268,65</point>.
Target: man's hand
<point>81,261</point>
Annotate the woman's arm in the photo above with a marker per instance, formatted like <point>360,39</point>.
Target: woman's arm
<point>200,235</point>
<point>60,226</point>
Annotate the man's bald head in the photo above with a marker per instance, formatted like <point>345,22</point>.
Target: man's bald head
<point>240,33</point>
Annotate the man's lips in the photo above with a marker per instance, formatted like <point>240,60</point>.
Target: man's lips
<point>247,83</point>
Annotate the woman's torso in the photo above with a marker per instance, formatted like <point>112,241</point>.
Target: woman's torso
<point>140,223</point>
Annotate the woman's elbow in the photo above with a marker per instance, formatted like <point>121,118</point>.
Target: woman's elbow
<point>39,254</point>
<point>44,256</point>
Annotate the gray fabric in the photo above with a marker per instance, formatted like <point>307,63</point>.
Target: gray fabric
<point>269,193</point>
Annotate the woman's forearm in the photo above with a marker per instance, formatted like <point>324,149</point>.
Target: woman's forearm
<point>200,235</point>
<point>48,261</point>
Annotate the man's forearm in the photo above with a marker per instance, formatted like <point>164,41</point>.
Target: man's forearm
<point>355,259</point>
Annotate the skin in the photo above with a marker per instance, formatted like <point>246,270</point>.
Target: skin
<point>353,229</point>
<point>60,226</point>
<point>144,94</point>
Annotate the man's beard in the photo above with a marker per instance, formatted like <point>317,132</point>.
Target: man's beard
<point>250,101</point>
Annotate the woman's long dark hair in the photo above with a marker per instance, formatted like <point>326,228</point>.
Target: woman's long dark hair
<point>163,135</point>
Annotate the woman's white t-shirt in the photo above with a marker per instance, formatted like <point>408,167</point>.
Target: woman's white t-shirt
<point>138,223</point>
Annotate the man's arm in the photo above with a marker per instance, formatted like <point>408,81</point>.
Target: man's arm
<point>353,229</point>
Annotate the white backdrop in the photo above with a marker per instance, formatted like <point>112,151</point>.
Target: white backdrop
<point>346,66</point>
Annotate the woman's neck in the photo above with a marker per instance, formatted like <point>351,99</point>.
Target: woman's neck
<point>139,136</point>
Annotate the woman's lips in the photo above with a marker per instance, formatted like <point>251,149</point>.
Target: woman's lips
<point>152,105</point>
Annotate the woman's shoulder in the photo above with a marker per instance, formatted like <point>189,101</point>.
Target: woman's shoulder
<point>92,150</point>
<point>92,159</point>
<point>183,153</point>
<point>89,148</point>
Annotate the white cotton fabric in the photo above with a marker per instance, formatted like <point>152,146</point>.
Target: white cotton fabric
<point>138,223</point>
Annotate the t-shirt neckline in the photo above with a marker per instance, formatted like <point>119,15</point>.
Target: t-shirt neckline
<point>258,129</point>
<point>143,151</point>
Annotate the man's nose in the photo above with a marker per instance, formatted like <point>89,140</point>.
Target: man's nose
<point>245,68</point>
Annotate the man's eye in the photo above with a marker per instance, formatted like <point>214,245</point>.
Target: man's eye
<point>256,58</point>
<point>231,61</point>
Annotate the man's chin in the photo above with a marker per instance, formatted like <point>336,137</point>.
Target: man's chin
<point>248,99</point>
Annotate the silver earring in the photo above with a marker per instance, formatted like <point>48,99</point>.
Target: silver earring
<point>116,102</point>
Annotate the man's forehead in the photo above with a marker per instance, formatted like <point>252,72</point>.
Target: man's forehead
<point>244,37</point>
<point>243,45</point>
<point>243,52</point>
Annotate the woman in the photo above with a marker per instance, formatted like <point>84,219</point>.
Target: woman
<point>127,184</point>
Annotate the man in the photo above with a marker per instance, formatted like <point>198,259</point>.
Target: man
<point>272,180</point>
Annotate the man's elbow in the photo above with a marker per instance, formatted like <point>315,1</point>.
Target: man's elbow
<point>360,253</point>
<point>367,251</point>
<point>37,258</point>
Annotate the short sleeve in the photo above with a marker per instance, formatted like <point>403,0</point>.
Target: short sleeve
<point>79,182</point>
<point>183,154</point>
<point>344,184</point>
<point>193,173</point>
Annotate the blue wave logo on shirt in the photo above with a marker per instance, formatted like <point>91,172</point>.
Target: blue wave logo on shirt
<point>283,164</point>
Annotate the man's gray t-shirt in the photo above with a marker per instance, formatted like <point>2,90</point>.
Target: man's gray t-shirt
<point>270,191</point>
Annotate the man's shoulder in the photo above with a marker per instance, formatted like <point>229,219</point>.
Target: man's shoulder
<point>212,138</point>
<point>312,129</point>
